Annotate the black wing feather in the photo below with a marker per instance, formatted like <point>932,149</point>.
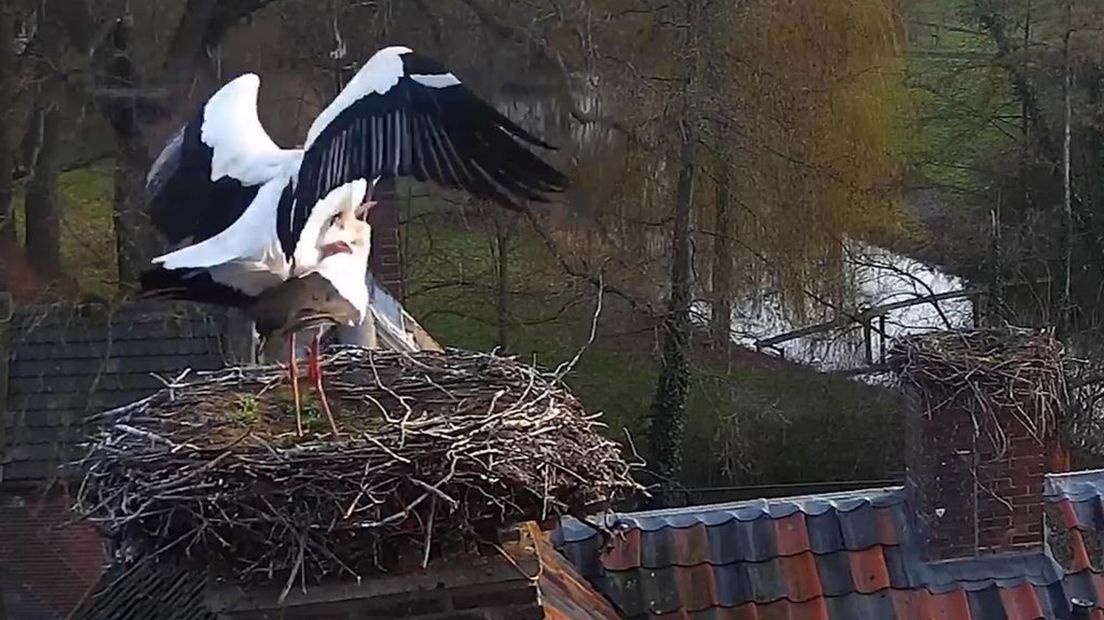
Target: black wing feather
<point>185,204</point>
<point>195,285</point>
<point>445,135</point>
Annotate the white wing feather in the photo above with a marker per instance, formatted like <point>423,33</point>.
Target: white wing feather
<point>241,148</point>
<point>379,74</point>
<point>250,238</point>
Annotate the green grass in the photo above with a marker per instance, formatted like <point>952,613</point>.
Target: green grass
<point>746,423</point>
<point>87,231</point>
<point>951,106</point>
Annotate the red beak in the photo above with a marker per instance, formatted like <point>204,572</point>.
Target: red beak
<point>363,210</point>
<point>336,247</point>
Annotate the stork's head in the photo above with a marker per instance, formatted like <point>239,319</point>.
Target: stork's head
<point>348,230</point>
<point>343,249</point>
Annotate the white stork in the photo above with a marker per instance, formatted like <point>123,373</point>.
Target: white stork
<point>332,292</point>
<point>249,214</point>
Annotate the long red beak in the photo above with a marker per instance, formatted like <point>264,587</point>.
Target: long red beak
<point>336,247</point>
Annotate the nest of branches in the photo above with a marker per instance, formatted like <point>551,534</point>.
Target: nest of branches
<point>1000,376</point>
<point>436,449</point>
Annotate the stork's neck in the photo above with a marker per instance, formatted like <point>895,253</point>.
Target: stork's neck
<point>348,273</point>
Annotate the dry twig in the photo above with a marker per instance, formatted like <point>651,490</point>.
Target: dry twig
<point>1001,376</point>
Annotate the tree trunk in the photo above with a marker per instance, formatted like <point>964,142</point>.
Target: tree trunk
<point>502,280</point>
<point>1065,306</point>
<point>43,241</point>
<point>722,263</point>
<point>667,422</point>
<point>132,237</point>
<point>133,240</point>
<point>668,414</point>
<point>7,95</point>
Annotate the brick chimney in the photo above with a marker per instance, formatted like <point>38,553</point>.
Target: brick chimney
<point>975,476</point>
<point>386,259</point>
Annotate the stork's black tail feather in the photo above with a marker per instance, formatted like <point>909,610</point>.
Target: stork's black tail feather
<point>189,285</point>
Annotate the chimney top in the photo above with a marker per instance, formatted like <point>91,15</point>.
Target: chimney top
<point>983,408</point>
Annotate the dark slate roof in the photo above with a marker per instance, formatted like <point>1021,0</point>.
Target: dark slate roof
<point>1075,514</point>
<point>64,362</point>
<point>166,590</point>
<point>835,556</point>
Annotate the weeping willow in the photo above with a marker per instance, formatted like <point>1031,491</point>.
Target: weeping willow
<point>795,101</point>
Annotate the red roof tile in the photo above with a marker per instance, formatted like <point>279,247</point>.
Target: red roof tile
<point>693,545</point>
<point>799,572</point>
<point>44,556</point>
<point>887,527</point>
<point>1020,603</point>
<point>625,555</point>
<point>791,534</point>
<point>697,588</point>
<point>815,609</point>
<point>950,605</point>
<point>868,570</point>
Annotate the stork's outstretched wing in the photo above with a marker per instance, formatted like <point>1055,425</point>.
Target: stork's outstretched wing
<point>406,115</point>
<point>211,169</point>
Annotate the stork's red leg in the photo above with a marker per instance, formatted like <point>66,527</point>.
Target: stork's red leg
<point>315,371</point>
<point>313,367</point>
<point>293,370</point>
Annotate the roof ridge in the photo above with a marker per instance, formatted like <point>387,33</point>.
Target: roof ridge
<point>754,510</point>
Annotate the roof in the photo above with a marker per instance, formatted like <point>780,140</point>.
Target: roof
<point>1075,514</point>
<point>844,555</point>
<point>565,594</point>
<point>525,574</point>
<point>169,590</point>
<point>16,602</point>
<point>62,362</point>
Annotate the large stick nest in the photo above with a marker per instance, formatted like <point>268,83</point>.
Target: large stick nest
<point>435,448</point>
<point>1001,376</point>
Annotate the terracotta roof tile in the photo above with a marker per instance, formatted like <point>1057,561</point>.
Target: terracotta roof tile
<point>951,605</point>
<point>912,604</point>
<point>868,570</point>
<point>692,547</point>
<point>1021,603</point>
<point>888,527</point>
<point>1076,502</point>
<point>792,534</point>
<point>624,556</point>
<point>799,572</point>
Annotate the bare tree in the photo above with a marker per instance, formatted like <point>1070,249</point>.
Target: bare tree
<point>667,425</point>
<point>43,241</point>
<point>1065,303</point>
